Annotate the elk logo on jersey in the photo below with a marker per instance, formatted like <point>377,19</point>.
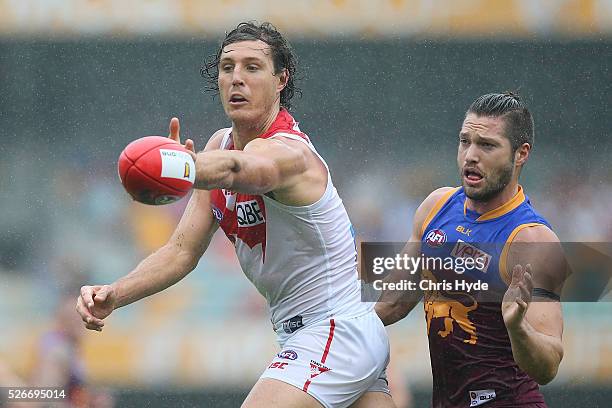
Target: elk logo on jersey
<point>249,214</point>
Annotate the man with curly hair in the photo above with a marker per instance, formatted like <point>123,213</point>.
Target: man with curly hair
<point>264,184</point>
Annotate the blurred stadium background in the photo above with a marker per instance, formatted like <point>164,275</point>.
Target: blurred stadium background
<point>385,86</point>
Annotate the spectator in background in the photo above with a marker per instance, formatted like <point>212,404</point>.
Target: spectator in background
<point>59,362</point>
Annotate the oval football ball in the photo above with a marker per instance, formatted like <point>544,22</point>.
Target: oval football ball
<point>156,170</point>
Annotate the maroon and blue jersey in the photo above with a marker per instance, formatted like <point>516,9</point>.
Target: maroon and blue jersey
<point>471,355</point>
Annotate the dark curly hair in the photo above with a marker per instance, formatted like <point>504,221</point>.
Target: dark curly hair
<point>509,106</point>
<point>283,57</point>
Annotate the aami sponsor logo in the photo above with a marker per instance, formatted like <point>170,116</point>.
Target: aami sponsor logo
<point>479,397</point>
<point>248,213</point>
<point>288,354</point>
<point>464,250</point>
<point>435,238</point>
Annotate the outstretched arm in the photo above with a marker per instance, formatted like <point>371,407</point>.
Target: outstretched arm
<point>395,305</point>
<point>164,267</point>
<point>285,167</point>
<point>533,317</point>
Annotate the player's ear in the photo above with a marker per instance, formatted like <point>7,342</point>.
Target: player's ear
<point>522,154</point>
<point>283,78</point>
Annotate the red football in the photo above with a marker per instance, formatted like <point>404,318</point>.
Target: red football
<point>156,170</point>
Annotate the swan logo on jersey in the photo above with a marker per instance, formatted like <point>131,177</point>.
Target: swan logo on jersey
<point>249,214</point>
<point>288,354</point>
<point>435,238</point>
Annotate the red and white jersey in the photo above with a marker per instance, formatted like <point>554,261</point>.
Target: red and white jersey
<point>301,259</point>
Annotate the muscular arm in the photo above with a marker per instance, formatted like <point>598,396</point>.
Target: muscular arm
<point>175,259</point>
<point>286,167</point>
<point>395,305</point>
<point>535,324</point>
<point>158,271</point>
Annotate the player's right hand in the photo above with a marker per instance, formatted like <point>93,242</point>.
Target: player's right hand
<point>175,128</point>
<point>94,304</point>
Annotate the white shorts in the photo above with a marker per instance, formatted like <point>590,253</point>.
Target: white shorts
<point>335,360</point>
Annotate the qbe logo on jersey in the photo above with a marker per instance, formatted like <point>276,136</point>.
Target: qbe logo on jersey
<point>435,238</point>
<point>479,397</point>
<point>249,214</point>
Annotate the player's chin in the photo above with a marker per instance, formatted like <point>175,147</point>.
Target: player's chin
<point>239,113</point>
<point>473,191</point>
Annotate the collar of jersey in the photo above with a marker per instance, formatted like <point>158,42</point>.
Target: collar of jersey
<point>503,209</point>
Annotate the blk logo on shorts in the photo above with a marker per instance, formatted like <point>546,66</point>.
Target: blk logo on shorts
<point>435,238</point>
<point>479,397</point>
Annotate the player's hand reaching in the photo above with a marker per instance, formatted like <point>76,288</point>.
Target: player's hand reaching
<point>94,304</point>
<point>175,128</point>
<point>517,297</point>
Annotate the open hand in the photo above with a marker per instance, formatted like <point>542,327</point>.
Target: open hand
<point>518,297</point>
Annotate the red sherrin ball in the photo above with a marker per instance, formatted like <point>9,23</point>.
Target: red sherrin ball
<point>156,170</point>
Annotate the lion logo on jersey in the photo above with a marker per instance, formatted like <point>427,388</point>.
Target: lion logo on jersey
<point>438,306</point>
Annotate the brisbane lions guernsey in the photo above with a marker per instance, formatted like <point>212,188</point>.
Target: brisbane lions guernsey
<point>471,355</point>
<point>301,259</point>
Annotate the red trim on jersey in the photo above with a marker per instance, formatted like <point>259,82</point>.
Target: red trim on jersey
<point>305,389</point>
<point>251,229</point>
<point>329,340</point>
<point>284,123</point>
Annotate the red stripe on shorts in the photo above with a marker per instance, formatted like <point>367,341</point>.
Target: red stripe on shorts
<point>332,326</point>
<point>329,340</point>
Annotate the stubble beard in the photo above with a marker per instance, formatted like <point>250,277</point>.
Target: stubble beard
<point>491,188</point>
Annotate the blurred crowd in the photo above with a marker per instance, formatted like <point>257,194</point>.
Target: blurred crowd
<point>91,232</point>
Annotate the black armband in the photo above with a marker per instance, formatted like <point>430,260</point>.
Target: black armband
<point>546,294</point>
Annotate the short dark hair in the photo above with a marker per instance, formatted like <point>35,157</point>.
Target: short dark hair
<point>283,56</point>
<point>517,118</point>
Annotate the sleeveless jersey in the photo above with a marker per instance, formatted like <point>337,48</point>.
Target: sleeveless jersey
<point>471,355</point>
<point>302,259</point>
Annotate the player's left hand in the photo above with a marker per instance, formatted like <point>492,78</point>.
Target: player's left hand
<point>518,297</point>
